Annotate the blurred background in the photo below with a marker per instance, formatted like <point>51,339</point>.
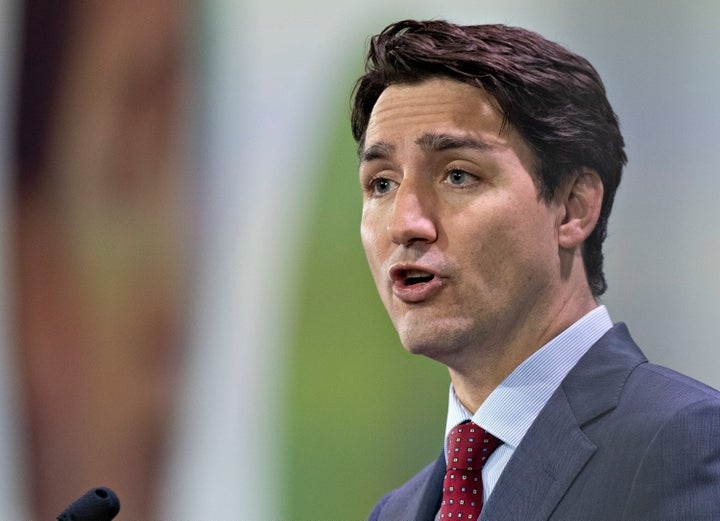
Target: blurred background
<point>186,315</point>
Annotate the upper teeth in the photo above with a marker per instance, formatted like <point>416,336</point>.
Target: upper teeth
<point>415,273</point>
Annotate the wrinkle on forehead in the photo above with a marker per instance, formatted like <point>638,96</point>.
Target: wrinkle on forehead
<point>444,103</point>
<point>443,90</point>
<point>437,115</point>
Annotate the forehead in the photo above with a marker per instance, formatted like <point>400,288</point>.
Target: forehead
<point>435,105</point>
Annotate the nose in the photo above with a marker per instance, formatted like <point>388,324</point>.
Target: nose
<point>413,218</point>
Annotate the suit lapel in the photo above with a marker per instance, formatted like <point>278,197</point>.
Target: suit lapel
<point>419,499</point>
<point>544,465</point>
<point>555,449</point>
<point>426,504</point>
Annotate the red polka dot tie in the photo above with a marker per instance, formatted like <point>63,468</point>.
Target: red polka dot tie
<point>469,447</point>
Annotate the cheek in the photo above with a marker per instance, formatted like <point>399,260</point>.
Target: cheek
<point>371,244</point>
<point>497,247</point>
<point>367,237</point>
<point>524,248</point>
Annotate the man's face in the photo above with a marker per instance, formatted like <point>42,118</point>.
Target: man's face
<point>463,252</point>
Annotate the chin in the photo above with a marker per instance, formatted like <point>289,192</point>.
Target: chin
<point>435,348</point>
<point>420,329</point>
<point>437,342</point>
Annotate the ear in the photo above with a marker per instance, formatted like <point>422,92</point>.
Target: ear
<point>582,202</point>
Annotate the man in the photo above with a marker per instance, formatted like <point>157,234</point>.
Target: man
<point>489,160</point>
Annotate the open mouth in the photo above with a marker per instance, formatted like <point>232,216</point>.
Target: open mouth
<point>414,285</point>
<point>412,277</point>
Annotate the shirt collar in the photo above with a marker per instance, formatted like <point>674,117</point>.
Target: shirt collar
<point>512,407</point>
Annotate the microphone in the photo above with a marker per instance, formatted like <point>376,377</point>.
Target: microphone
<point>97,504</point>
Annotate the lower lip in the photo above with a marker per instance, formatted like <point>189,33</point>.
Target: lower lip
<point>417,292</point>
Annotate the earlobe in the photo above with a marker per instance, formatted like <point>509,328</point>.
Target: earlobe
<point>582,202</point>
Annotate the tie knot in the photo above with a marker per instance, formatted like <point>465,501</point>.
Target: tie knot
<point>469,447</point>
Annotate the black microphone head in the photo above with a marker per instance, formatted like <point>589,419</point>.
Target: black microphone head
<point>97,504</point>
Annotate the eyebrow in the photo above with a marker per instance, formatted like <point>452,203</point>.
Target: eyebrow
<point>431,142</point>
<point>379,150</point>
<point>428,142</point>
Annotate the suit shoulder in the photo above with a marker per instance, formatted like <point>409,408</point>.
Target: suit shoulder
<point>672,386</point>
<point>678,475</point>
<point>657,400</point>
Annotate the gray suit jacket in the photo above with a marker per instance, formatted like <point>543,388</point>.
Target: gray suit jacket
<point>620,440</point>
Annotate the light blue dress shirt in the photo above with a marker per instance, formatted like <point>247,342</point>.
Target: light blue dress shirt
<point>512,407</point>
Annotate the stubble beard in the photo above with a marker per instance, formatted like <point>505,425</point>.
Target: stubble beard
<point>448,340</point>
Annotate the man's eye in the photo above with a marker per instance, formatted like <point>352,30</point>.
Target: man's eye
<point>458,177</point>
<point>382,185</point>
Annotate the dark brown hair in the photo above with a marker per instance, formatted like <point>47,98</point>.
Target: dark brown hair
<point>554,98</point>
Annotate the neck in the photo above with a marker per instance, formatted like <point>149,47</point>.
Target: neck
<point>475,378</point>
